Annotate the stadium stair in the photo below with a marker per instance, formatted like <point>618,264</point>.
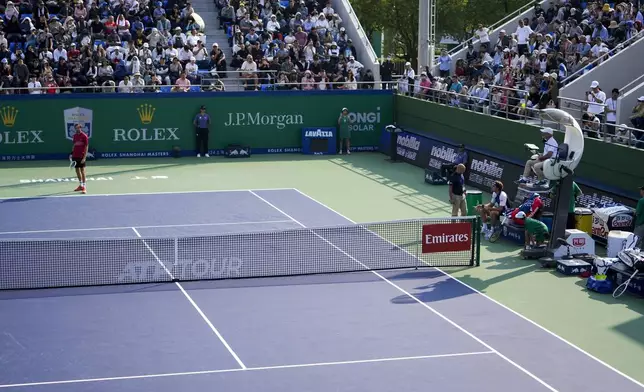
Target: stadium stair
<point>509,23</point>
<point>619,71</point>
<point>210,15</point>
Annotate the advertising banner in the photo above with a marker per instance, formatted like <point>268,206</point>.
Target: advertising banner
<point>483,170</point>
<point>447,237</point>
<point>319,141</point>
<point>412,148</point>
<point>133,125</point>
<point>441,154</point>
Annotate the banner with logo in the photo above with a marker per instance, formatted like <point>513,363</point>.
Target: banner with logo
<point>482,171</point>
<point>319,141</point>
<point>136,125</point>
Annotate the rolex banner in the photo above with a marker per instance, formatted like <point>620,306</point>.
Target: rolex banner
<point>139,125</point>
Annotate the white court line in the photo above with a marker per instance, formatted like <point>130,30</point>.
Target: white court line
<point>252,369</point>
<point>142,193</point>
<point>589,355</point>
<point>511,362</point>
<point>145,227</point>
<point>194,304</point>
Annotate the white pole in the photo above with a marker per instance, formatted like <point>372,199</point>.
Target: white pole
<point>423,35</point>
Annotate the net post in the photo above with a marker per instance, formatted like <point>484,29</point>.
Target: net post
<point>419,230</point>
<point>176,251</point>
<point>477,240</point>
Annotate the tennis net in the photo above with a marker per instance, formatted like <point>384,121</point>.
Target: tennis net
<point>33,264</point>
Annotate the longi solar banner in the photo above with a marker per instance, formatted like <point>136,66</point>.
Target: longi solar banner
<point>32,264</point>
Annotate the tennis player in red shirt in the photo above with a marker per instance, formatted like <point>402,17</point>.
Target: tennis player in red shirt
<point>78,156</point>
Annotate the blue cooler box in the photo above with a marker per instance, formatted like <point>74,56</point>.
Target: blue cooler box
<point>514,233</point>
<point>572,267</point>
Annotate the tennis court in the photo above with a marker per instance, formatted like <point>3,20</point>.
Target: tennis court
<point>395,329</point>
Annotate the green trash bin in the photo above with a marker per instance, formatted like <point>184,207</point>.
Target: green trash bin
<point>473,199</point>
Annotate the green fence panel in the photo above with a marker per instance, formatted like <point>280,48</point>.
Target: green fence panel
<point>613,165</point>
<point>152,124</point>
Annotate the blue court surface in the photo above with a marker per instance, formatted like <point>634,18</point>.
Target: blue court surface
<point>402,330</point>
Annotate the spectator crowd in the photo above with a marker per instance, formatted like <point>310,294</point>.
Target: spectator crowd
<point>523,70</point>
<point>57,46</point>
<point>292,44</point>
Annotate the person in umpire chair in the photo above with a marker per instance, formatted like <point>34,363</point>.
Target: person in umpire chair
<point>80,147</point>
<point>202,124</point>
<point>457,191</point>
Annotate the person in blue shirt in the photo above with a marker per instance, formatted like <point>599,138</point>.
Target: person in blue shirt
<point>461,159</point>
<point>202,123</point>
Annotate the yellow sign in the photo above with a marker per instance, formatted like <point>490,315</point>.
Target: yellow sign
<point>9,115</point>
<point>146,113</point>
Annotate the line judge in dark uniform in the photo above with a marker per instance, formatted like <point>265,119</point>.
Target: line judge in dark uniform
<point>202,125</point>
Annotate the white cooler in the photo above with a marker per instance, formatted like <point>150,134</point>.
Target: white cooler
<point>617,241</point>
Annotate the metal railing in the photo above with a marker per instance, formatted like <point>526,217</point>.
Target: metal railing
<point>499,105</point>
<point>500,23</point>
<point>622,46</point>
<point>276,86</point>
<point>502,102</point>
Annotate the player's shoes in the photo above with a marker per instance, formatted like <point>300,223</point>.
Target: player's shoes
<point>198,155</point>
<point>207,156</point>
<point>83,190</point>
<point>79,188</point>
<point>340,152</point>
<point>348,152</point>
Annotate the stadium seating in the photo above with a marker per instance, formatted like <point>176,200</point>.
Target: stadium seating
<point>92,48</point>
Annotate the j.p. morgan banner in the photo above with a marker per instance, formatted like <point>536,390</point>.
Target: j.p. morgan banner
<point>482,170</point>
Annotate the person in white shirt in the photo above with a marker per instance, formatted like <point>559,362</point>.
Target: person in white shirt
<point>125,86</point>
<point>171,52</point>
<point>535,163</point>
<point>185,53</point>
<point>34,86</point>
<point>407,80</point>
<point>610,112</point>
<point>523,34</point>
<point>328,10</point>
<point>138,84</point>
<point>484,38</point>
<point>354,66</point>
<point>249,69</point>
<point>273,25</point>
<point>494,209</point>
<point>59,53</point>
<point>597,98</point>
<point>192,70</point>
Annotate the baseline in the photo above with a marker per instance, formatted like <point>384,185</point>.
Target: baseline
<point>191,225</point>
<point>250,369</point>
<point>18,198</point>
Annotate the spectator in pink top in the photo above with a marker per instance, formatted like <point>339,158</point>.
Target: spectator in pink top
<point>308,81</point>
<point>425,85</point>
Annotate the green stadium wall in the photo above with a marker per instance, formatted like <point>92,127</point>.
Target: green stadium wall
<point>37,127</point>
<point>612,167</point>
